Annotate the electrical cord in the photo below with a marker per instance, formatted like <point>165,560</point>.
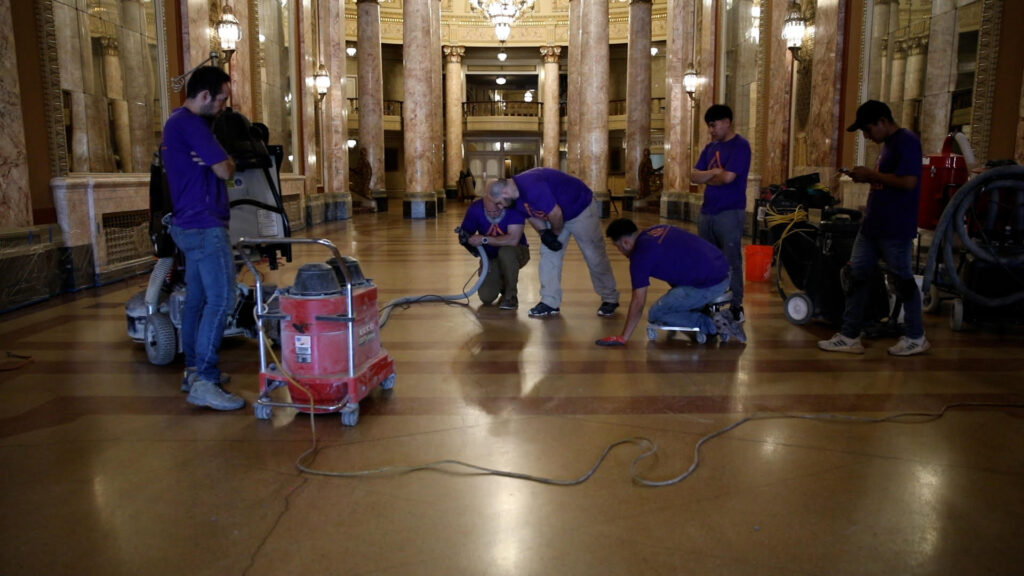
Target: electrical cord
<point>458,467</point>
<point>384,314</point>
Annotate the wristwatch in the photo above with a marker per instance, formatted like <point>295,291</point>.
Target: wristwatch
<point>483,240</point>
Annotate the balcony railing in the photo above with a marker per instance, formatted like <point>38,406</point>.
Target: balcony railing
<point>391,107</point>
<point>503,108</point>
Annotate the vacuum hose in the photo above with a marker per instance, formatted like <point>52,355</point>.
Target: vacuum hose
<point>385,311</point>
<point>1006,182</point>
<point>156,282</point>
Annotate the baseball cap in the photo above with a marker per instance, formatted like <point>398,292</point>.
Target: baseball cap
<point>868,113</point>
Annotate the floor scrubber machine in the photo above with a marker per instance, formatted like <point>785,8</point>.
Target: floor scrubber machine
<point>331,355</point>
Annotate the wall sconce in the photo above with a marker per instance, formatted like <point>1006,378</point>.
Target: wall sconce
<point>229,31</point>
<point>350,50</point>
<point>322,81</point>
<point>794,29</point>
<point>690,81</point>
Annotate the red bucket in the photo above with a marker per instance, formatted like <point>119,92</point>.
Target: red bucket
<point>758,266</point>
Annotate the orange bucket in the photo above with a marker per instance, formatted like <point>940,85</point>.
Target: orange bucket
<point>758,266</point>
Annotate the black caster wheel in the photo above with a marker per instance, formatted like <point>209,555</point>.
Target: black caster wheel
<point>798,308</point>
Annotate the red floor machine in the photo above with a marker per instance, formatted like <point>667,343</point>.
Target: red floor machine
<point>331,356</point>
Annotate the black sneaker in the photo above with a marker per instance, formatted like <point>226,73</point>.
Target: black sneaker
<point>542,309</point>
<point>607,309</point>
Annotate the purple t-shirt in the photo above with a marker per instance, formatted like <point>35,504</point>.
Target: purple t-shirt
<point>476,222</point>
<point>892,212</point>
<point>541,189</point>
<point>677,257</point>
<point>189,149</point>
<point>732,155</point>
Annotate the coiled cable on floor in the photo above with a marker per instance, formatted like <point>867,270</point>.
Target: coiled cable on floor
<point>953,226</point>
<point>648,446</point>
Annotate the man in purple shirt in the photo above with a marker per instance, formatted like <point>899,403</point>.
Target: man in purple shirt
<point>695,269</point>
<point>559,206</point>
<point>723,167</point>
<point>500,232</point>
<point>886,232</point>
<point>196,167</point>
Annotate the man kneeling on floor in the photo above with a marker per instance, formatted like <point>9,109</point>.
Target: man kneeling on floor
<point>500,232</point>
<point>694,268</point>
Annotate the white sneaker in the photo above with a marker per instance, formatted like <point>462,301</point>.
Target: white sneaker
<point>840,343</point>
<point>910,346</point>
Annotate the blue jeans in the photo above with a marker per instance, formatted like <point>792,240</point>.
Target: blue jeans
<point>863,261</point>
<point>725,230</point>
<point>682,305</point>
<point>209,295</point>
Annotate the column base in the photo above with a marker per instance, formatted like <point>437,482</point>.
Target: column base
<point>419,208</point>
<point>441,201</point>
<point>380,198</point>
<point>673,205</point>
<point>628,199</point>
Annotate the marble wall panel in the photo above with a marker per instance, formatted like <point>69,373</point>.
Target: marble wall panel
<point>777,95</point>
<point>823,133</point>
<point>15,196</point>
<point>69,59</point>
<point>79,133</point>
<point>143,143</point>
<point>99,149</point>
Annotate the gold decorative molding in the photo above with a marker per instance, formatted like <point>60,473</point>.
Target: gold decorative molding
<point>46,35</point>
<point>985,77</point>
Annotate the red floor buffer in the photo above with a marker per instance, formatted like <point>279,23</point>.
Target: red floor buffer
<point>331,356</point>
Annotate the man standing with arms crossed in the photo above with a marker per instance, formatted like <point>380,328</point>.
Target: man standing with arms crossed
<point>722,167</point>
<point>196,166</point>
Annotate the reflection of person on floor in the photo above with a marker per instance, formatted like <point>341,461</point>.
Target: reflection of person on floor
<point>500,232</point>
<point>694,268</point>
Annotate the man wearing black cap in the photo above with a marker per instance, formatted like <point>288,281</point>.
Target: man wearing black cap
<point>886,232</point>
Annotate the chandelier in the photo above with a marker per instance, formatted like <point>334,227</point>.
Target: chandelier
<point>502,13</point>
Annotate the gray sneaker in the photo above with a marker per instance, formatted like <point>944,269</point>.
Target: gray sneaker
<point>189,376</point>
<point>208,394</point>
<point>910,346</point>
<point>840,343</point>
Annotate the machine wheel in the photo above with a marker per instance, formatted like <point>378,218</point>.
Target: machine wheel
<point>161,340</point>
<point>388,382</point>
<point>956,316</point>
<point>262,412</point>
<point>798,308</point>
<point>700,337</point>
<point>930,300</point>
<point>350,415</point>
<point>652,334</point>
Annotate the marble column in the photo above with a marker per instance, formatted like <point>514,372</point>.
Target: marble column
<point>371,91</point>
<point>453,115</point>
<point>572,96</point>
<point>940,80</point>
<point>826,86</point>
<point>242,65</point>
<point>917,52</point>
<point>678,108</point>
<point>335,106</point>
<point>638,91</point>
<point>594,101</point>
<point>114,80</point>
<point>15,195</point>
<point>420,199</point>
<point>778,97</point>
<point>879,32</point>
<point>552,121</point>
<point>437,97</point>
<point>898,81</point>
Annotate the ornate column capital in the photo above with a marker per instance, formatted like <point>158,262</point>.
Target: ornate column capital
<point>631,2</point>
<point>899,49</point>
<point>453,54</point>
<point>110,46</point>
<point>367,1</point>
<point>917,45</point>
<point>550,53</point>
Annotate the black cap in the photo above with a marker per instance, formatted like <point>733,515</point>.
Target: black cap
<point>869,113</point>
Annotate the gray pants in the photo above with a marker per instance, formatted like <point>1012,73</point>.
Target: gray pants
<point>725,230</point>
<point>586,229</point>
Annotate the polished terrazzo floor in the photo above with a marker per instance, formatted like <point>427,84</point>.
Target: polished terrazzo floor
<point>108,471</point>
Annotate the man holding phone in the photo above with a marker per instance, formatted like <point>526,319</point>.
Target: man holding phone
<point>887,230</point>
